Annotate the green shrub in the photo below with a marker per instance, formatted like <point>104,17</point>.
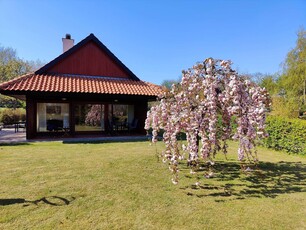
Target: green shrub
<point>286,134</point>
<point>10,116</point>
<point>10,102</point>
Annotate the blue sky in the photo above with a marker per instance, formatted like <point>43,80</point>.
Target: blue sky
<point>157,39</point>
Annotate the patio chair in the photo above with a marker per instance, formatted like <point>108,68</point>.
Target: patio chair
<point>23,126</point>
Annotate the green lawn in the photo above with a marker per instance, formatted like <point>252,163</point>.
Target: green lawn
<point>52,185</point>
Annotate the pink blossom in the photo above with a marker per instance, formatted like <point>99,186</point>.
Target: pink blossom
<point>209,91</point>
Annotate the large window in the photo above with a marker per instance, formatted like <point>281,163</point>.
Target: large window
<point>89,117</point>
<point>52,117</point>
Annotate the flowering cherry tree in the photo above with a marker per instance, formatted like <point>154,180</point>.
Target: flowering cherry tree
<point>210,96</point>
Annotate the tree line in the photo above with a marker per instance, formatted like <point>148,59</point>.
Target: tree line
<point>12,110</point>
<point>12,66</point>
<point>288,89</point>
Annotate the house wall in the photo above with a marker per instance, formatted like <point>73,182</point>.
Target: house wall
<point>30,118</point>
<point>89,60</point>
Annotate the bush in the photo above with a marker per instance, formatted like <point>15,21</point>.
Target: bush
<point>284,108</point>
<point>9,102</point>
<point>286,134</point>
<point>10,116</point>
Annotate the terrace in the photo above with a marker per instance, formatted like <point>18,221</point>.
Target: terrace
<point>10,136</point>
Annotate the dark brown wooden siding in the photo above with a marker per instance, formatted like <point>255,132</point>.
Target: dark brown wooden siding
<point>89,60</point>
<point>31,118</point>
<point>140,113</point>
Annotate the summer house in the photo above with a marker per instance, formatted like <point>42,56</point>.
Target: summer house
<point>85,90</point>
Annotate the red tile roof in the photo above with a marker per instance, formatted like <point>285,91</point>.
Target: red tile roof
<point>79,84</point>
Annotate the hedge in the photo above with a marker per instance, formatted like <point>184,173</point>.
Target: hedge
<point>286,134</point>
<point>10,116</point>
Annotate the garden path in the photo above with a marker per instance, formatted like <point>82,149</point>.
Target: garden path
<point>9,136</point>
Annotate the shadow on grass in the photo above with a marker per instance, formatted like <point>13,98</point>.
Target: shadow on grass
<point>266,180</point>
<point>14,143</point>
<point>52,200</point>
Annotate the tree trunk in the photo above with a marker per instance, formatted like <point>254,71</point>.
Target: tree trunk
<point>304,93</point>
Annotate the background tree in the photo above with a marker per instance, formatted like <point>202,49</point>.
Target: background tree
<point>292,82</point>
<point>270,82</point>
<point>168,83</point>
<point>12,66</point>
<point>287,88</point>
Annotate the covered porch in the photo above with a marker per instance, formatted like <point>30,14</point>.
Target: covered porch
<point>51,116</point>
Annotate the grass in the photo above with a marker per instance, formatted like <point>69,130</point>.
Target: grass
<point>52,185</point>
